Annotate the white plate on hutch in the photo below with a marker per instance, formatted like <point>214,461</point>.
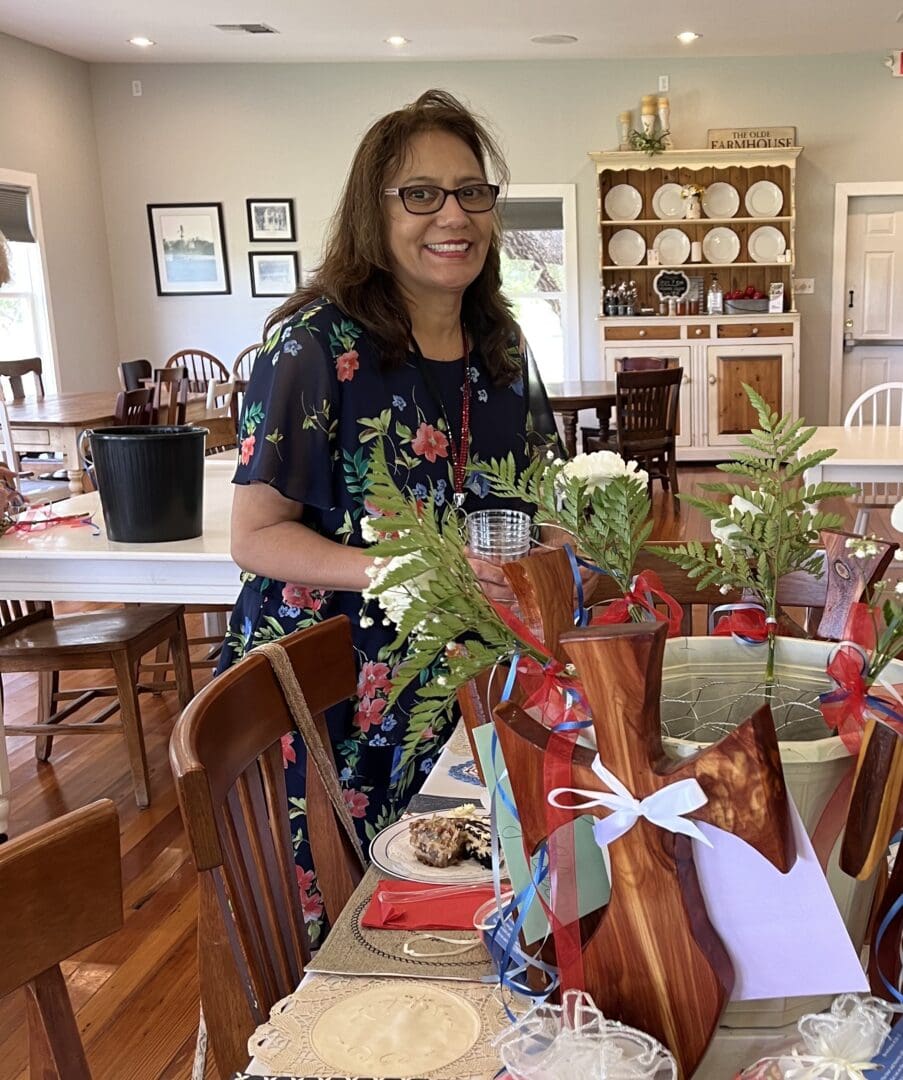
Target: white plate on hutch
<point>626,248</point>
<point>764,199</point>
<point>623,203</point>
<point>720,200</point>
<point>765,244</point>
<point>721,245</point>
<point>673,246</point>
<point>667,202</point>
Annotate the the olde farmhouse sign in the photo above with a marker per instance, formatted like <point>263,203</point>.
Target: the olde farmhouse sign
<point>751,138</point>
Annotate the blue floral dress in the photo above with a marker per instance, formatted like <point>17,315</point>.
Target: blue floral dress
<point>316,401</point>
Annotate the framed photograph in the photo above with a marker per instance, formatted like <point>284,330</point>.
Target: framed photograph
<point>273,273</point>
<point>271,219</point>
<point>189,248</point>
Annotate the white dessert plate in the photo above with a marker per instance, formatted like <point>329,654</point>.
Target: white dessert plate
<point>673,247</point>
<point>721,245</point>
<point>623,203</point>
<point>764,199</point>
<point>765,244</point>
<point>626,248</point>
<point>720,200</point>
<point>667,202</point>
<point>391,851</point>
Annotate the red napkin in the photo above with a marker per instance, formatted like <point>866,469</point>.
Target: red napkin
<point>413,905</point>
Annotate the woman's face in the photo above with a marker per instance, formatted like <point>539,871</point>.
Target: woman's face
<point>443,252</point>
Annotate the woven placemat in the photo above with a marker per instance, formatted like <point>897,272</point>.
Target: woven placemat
<point>353,949</point>
<point>383,1028</point>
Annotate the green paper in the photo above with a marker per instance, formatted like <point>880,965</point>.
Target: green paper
<point>593,883</point>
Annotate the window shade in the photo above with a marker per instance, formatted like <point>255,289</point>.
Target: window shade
<point>532,214</point>
<point>14,217</point>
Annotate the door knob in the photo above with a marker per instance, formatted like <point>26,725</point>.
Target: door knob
<point>699,331</point>
<point>642,333</point>
<point>754,331</point>
<point>712,380</point>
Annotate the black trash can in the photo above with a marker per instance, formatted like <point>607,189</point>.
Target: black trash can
<point>151,481</point>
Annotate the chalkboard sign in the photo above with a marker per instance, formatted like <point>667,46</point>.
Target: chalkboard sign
<point>671,283</point>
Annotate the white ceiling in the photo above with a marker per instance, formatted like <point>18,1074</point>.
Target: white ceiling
<point>346,30</point>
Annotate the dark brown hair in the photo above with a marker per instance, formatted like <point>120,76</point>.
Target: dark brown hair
<point>356,271</point>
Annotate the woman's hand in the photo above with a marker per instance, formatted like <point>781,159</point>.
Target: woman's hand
<point>492,580</point>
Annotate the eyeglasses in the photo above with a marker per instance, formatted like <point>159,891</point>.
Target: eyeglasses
<point>428,199</point>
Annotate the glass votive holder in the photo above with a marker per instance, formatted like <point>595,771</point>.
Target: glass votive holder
<point>498,535</point>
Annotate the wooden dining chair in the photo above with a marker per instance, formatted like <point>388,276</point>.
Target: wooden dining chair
<point>200,366</point>
<point>646,422</point>
<point>45,489</point>
<point>244,362</point>
<point>32,640</point>
<point>134,373</point>
<point>134,407</point>
<point>170,400</point>
<point>879,406</point>
<point>222,400</point>
<point>61,885</point>
<point>593,435</point>
<point>226,756</point>
<point>12,374</point>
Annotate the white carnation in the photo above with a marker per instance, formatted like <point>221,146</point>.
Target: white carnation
<point>738,505</point>
<point>396,600</point>
<point>368,532</point>
<point>596,469</point>
<point>896,517</point>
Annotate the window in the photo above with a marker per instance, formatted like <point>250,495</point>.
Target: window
<point>539,273</point>
<point>24,316</point>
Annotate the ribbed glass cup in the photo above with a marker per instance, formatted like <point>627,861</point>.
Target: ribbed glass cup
<point>498,535</point>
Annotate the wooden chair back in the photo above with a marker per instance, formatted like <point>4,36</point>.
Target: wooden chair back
<point>222,400</point>
<point>646,411</point>
<point>226,756</point>
<point>201,367</point>
<point>61,885</point>
<point>12,373</point>
<point>244,362</point>
<point>132,373</point>
<point>644,363</point>
<point>7,445</point>
<point>134,407</point>
<point>170,400</point>
<point>879,406</point>
<point>221,434</point>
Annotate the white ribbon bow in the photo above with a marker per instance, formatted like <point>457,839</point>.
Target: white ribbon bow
<point>812,1067</point>
<point>665,808</point>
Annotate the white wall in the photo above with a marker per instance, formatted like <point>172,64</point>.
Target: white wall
<point>47,128</point>
<point>226,132</point>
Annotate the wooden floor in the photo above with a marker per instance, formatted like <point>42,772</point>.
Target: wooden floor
<point>136,993</point>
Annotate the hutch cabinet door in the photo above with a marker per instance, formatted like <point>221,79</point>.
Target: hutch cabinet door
<point>768,368</point>
<point>679,356</point>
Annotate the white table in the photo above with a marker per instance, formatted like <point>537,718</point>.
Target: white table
<point>864,455</point>
<point>732,1048</point>
<point>71,563</point>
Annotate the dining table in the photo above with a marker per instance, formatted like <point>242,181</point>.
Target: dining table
<point>78,561</point>
<point>454,777</point>
<point>862,455</point>
<point>568,398</point>
<point>54,423</point>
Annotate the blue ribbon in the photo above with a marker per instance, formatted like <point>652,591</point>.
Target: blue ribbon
<point>581,612</point>
<point>894,910</point>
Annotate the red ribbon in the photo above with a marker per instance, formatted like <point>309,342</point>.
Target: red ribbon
<point>748,623</point>
<point>643,588</point>
<point>844,708</point>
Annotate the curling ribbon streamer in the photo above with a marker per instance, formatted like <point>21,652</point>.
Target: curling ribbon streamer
<point>644,586</point>
<point>844,707</point>
<point>665,808</point>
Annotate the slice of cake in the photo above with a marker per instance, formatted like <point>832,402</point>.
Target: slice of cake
<point>437,840</point>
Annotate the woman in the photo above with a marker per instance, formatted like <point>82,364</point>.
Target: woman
<point>402,334</point>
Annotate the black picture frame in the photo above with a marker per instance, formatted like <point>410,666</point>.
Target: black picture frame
<point>271,221</point>
<point>188,245</point>
<point>256,262</point>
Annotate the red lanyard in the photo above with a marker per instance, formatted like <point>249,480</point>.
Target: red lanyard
<point>457,448</point>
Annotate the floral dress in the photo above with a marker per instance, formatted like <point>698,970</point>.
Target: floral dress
<point>316,401</point>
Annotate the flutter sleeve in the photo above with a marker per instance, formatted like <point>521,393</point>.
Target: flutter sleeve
<point>290,418</point>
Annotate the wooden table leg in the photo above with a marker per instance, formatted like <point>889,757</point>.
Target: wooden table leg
<point>604,418</point>
<point>569,421</point>
<point>68,444</point>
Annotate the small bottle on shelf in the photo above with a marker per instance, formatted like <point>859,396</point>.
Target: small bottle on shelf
<point>715,298</point>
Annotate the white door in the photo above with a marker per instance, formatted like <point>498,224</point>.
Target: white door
<point>873,300</point>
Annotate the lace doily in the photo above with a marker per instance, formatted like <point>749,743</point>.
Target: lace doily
<point>383,1027</point>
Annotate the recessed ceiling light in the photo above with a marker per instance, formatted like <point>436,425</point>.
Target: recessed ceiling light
<point>553,39</point>
<point>141,42</point>
<point>397,41</point>
<point>685,37</point>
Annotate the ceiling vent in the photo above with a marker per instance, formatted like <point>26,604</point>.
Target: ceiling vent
<point>245,28</point>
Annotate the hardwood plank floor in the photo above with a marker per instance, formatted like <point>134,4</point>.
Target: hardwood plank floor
<point>136,993</point>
